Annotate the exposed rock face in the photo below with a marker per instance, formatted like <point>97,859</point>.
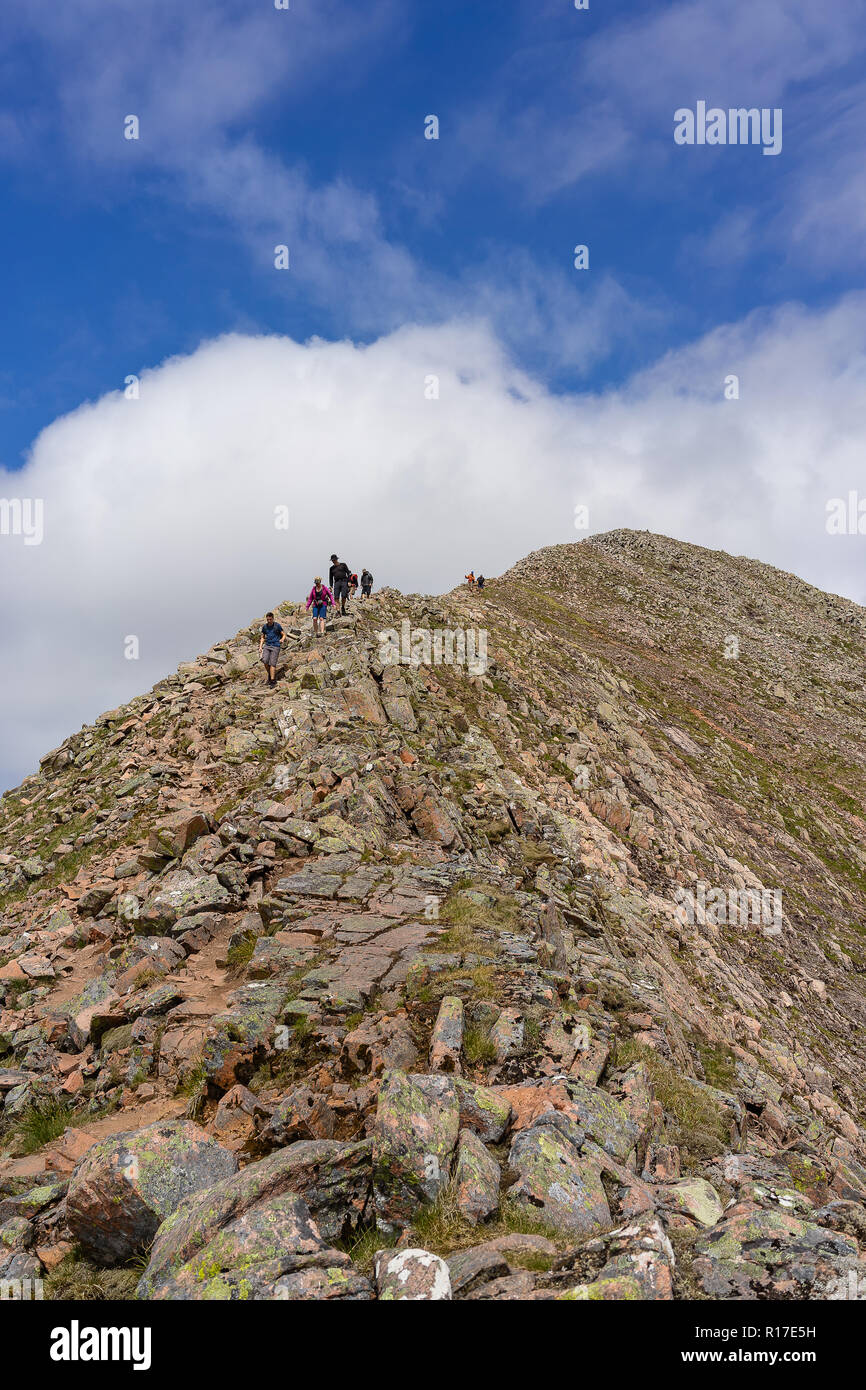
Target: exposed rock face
<point>124,1188</point>
<point>229,1246</point>
<point>549,972</point>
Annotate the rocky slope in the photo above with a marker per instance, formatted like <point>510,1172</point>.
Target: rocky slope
<point>403,981</point>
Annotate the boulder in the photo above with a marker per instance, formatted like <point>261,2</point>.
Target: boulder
<point>693,1197</point>
<point>414,1137</point>
<point>770,1254</point>
<point>447,1040</point>
<point>476,1179</point>
<point>555,1183</point>
<point>126,1186</point>
<point>251,1236</point>
<point>183,894</point>
<point>415,1275</point>
<point>173,836</point>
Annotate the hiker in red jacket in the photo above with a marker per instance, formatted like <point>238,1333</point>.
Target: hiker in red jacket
<point>320,600</point>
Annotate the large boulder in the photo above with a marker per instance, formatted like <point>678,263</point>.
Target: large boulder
<point>771,1254</point>
<point>414,1137</point>
<point>557,1184</point>
<point>252,1236</point>
<point>174,835</point>
<point>692,1197</point>
<point>603,1118</point>
<point>126,1186</point>
<point>182,894</point>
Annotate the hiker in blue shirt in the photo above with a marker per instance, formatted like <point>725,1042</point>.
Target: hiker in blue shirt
<point>271,640</point>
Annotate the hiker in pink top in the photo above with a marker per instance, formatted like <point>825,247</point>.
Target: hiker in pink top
<point>320,599</point>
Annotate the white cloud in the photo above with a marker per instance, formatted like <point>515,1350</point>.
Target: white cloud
<point>159,512</point>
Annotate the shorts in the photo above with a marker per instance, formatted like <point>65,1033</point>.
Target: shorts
<point>320,610</point>
<point>270,656</point>
<point>341,589</point>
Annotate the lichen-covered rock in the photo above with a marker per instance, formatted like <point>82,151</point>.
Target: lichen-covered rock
<point>693,1197</point>
<point>234,1122</point>
<point>476,1179</point>
<point>770,1254</point>
<point>302,1114</point>
<point>377,1045</point>
<point>447,1040</point>
<point>414,1138</point>
<point>507,1034</point>
<point>483,1109</point>
<point>182,894</point>
<point>126,1186</point>
<point>244,1035</point>
<point>603,1118</point>
<point>234,1244</point>
<point>174,835</point>
<point>555,1183</point>
<point>414,1275</point>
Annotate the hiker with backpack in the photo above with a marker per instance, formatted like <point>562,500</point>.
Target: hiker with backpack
<point>270,641</point>
<point>338,578</point>
<point>353,585</point>
<point>470,578</point>
<point>320,599</point>
<point>366,583</point>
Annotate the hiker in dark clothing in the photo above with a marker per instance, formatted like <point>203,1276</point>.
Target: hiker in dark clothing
<point>271,639</point>
<point>366,583</point>
<point>480,581</point>
<point>338,578</point>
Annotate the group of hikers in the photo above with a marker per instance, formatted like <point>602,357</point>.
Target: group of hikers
<point>342,585</point>
<point>473,582</point>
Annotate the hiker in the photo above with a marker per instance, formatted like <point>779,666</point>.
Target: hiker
<point>480,582</point>
<point>353,585</point>
<point>320,599</point>
<point>338,578</point>
<point>366,583</point>
<point>271,639</point>
<point>470,578</point>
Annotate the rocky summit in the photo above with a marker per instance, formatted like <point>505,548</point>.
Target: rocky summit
<point>510,948</point>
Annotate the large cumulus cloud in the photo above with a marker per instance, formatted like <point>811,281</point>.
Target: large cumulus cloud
<point>160,511</point>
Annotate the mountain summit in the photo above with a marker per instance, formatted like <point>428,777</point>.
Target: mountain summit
<point>511,947</point>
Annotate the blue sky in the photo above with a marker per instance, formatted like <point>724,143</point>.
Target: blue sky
<point>555,128</point>
<point>409,257</point>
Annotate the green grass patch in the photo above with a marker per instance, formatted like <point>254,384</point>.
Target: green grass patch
<point>694,1121</point>
<point>76,1279</point>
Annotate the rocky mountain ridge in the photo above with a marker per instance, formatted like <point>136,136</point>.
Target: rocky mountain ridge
<point>404,981</point>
